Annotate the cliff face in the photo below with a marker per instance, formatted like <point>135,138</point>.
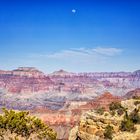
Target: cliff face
<point>24,71</point>
<point>133,93</point>
<point>102,101</point>
<point>24,80</point>
<point>92,125</point>
<point>97,82</point>
<point>29,79</point>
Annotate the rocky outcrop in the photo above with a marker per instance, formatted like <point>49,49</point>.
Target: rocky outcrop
<point>133,94</point>
<point>62,73</point>
<point>92,125</point>
<point>24,80</point>
<point>102,101</point>
<point>24,71</point>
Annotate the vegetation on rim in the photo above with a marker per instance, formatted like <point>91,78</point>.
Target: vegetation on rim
<point>21,124</point>
<point>108,133</point>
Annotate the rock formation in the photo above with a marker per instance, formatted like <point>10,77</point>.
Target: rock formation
<point>102,101</point>
<point>24,80</point>
<point>29,79</point>
<point>93,125</point>
<point>133,93</point>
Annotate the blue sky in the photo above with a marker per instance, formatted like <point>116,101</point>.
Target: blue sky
<point>75,35</point>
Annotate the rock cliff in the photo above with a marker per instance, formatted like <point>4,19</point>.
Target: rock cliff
<point>95,126</point>
<point>29,79</point>
<point>24,80</point>
<point>102,101</point>
<point>133,94</point>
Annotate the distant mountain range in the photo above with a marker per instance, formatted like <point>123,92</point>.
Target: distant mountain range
<point>29,80</point>
<point>59,88</point>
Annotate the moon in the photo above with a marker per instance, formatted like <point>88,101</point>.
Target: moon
<point>73,11</point>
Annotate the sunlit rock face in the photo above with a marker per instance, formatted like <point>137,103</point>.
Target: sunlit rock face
<point>118,83</point>
<point>92,124</point>
<point>102,101</point>
<point>24,71</point>
<point>24,80</point>
<point>29,79</point>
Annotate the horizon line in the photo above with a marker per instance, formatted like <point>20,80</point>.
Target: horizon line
<point>74,72</point>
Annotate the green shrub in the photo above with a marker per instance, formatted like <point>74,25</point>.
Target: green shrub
<point>127,124</point>
<point>106,114</point>
<point>108,133</point>
<point>136,97</point>
<point>100,110</point>
<point>116,106</point>
<point>24,125</point>
<point>135,117</point>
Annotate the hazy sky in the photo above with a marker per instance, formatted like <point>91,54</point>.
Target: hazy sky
<point>75,35</point>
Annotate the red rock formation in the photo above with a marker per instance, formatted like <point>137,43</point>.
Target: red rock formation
<point>28,71</point>
<point>29,79</point>
<point>133,93</point>
<point>62,73</point>
<point>102,101</point>
<point>24,80</point>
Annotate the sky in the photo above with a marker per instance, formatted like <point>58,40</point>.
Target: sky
<point>74,35</point>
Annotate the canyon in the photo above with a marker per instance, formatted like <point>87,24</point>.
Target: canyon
<point>61,97</point>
